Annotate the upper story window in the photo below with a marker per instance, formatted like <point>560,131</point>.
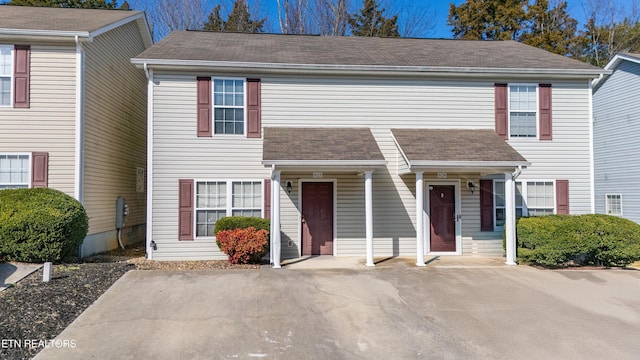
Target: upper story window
<point>229,106</point>
<point>6,72</point>
<point>614,204</point>
<point>523,109</point>
<point>14,171</point>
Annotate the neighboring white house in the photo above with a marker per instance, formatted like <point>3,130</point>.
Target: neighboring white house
<point>72,111</point>
<point>353,146</point>
<point>616,127</point>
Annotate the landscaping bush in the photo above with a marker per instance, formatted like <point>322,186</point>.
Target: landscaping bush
<point>243,245</point>
<point>40,224</point>
<point>241,222</point>
<point>562,240</point>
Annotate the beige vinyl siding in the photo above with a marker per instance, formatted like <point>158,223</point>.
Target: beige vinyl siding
<point>379,104</point>
<point>115,127</point>
<point>49,124</point>
<point>567,156</point>
<point>179,154</point>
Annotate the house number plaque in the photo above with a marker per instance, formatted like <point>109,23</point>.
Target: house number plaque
<point>317,174</point>
<point>442,175</point>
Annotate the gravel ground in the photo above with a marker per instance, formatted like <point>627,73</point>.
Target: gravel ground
<point>34,312</point>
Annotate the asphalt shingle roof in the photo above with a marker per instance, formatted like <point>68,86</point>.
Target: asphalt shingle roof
<point>455,145</point>
<point>342,50</point>
<point>320,144</point>
<point>58,19</point>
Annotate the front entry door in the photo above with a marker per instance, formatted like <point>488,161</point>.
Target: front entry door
<point>442,214</point>
<point>317,218</point>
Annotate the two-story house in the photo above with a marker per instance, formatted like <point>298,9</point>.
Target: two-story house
<point>365,147</point>
<point>616,110</point>
<point>73,111</point>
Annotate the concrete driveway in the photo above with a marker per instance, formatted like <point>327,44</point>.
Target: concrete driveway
<point>387,312</point>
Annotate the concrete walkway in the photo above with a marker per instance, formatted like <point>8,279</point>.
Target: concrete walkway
<point>390,311</point>
<point>12,272</point>
<point>349,262</point>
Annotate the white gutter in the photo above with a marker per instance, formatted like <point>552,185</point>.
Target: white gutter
<point>52,33</point>
<point>367,69</point>
<point>325,163</point>
<point>149,73</point>
<point>473,164</point>
<point>78,191</point>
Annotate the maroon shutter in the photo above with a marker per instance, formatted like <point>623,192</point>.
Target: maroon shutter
<point>21,75</point>
<point>185,219</point>
<point>501,110</point>
<point>562,196</point>
<point>545,111</point>
<point>204,106</point>
<point>39,169</point>
<point>486,205</point>
<point>253,109</point>
<point>267,198</point>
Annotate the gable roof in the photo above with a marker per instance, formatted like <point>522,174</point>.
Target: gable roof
<point>66,22</point>
<point>455,148</point>
<point>276,51</point>
<point>613,64</point>
<point>307,146</point>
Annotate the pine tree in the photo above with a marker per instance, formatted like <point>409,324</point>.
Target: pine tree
<point>551,29</point>
<point>369,21</point>
<point>239,20</point>
<point>488,19</point>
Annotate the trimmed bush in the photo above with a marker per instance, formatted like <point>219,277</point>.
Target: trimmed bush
<point>241,222</point>
<point>40,224</point>
<point>243,245</point>
<point>561,240</point>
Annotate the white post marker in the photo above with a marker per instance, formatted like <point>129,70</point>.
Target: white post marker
<point>46,272</point>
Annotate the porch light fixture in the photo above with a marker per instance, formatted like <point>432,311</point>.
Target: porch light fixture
<point>471,186</point>
<point>289,187</point>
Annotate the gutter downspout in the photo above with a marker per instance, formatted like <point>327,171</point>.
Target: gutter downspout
<point>592,185</point>
<point>151,245</point>
<point>78,189</point>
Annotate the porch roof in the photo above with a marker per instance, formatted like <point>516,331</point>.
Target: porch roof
<point>456,149</point>
<point>321,147</point>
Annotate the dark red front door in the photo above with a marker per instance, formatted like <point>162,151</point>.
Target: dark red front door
<point>442,213</point>
<point>317,218</point>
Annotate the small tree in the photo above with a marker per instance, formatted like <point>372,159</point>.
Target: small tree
<point>239,20</point>
<point>369,21</point>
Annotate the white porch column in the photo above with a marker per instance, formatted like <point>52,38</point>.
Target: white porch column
<point>368,211</point>
<point>275,220</point>
<point>510,218</point>
<point>419,219</point>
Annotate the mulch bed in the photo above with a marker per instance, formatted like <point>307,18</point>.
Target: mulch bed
<point>36,312</point>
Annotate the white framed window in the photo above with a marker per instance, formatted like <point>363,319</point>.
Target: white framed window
<point>523,110</point>
<point>15,171</point>
<point>614,204</point>
<point>533,198</point>
<point>229,110</point>
<point>217,199</point>
<point>6,74</point>
<point>499,203</point>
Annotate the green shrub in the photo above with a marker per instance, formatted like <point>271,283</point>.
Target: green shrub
<point>241,222</point>
<point>560,240</point>
<point>40,225</point>
<point>243,245</point>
